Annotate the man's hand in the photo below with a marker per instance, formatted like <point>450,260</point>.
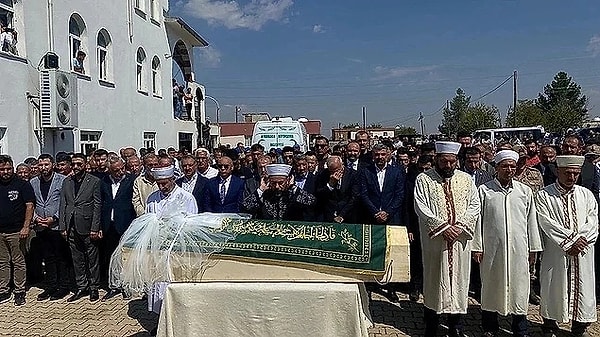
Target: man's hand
<point>477,256</point>
<point>532,258</point>
<point>24,233</point>
<point>338,219</point>
<point>451,234</point>
<point>578,247</point>
<point>64,234</point>
<point>94,235</point>
<point>264,184</point>
<point>411,237</point>
<point>335,177</point>
<point>381,216</point>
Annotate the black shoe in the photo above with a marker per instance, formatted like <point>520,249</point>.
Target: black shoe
<point>153,332</point>
<point>78,295</point>
<point>456,333</point>
<point>126,295</point>
<point>59,294</point>
<point>489,334</point>
<point>110,294</point>
<point>19,298</point>
<point>393,297</point>
<point>46,294</point>
<point>414,296</point>
<point>4,297</point>
<point>94,296</point>
<point>534,299</point>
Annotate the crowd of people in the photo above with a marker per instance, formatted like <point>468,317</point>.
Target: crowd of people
<point>504,224</point>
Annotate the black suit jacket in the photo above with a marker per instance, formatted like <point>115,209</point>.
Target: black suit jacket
<point>389,199</point>
<point>198,191</point>
<point>233,198</point>
<point>82,209</point>
<point>120,206</point>
<point>341,200</point>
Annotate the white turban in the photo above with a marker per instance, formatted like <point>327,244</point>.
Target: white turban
<point>442,147</point>
<point>506,154</point>
<point>163,172</point>
<point>569,161</point>
<point>281,170</point>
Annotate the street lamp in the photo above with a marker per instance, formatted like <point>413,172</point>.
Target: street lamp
<point>217,104</point>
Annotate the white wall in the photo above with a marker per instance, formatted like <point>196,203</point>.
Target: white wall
<point>120,112</point>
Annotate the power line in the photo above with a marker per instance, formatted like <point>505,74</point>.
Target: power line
<point>496,88</point>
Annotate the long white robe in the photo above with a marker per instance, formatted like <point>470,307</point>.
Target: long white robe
<point>440,204</point>
<point>156,203</point>
<point>507,231</point>
<point>567,282</point>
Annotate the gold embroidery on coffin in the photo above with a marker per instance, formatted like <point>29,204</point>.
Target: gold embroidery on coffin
<point>323,233</point>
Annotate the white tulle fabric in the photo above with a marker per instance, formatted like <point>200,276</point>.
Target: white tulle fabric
<point>155,246</point>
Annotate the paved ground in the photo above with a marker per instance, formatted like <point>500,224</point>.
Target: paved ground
<point>120,318</point>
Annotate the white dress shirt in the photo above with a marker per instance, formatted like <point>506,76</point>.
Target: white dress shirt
<point>211,172</point>
<point>115,188</point>
<point>381,176</point>
<point>189,184</point>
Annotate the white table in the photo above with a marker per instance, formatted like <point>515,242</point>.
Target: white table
<point>263,309</point>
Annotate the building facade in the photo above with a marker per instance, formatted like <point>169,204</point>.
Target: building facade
<point>124,83</point>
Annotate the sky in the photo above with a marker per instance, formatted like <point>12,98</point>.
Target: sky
<point>326,59</point>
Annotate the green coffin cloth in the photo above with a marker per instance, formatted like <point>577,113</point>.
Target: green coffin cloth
<point>358,247</point>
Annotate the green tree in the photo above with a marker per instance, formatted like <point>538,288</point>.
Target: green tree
<point>480,116</point>
<point>453,115</point>
<point>350,126</point>
<point>528,114</point>
<point>562,104</point>
<point>374,126</point>
<point>405,131</point>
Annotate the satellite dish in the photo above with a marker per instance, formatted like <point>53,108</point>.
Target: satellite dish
<point>62,85</point>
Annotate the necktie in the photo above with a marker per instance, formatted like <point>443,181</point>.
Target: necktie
<point>350,165</point>
<point>222,191</point>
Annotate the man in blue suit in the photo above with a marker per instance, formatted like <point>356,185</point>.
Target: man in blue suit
<point>116,215</point>
<point>382,194</point>
<point>224,193</point>
<point>192,181</point>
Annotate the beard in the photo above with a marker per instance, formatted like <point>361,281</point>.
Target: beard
<point>446,173</point>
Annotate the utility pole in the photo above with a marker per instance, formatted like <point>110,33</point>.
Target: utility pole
<point>364,117</point>
<point>514,98</point>
<point>421,121</point>
<point>237,110</point>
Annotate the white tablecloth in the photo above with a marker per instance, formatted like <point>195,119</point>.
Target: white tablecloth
<point>261,309</point>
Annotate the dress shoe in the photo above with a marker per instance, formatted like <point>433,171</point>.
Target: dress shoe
<point>393,297</point>
<point>456,333</point>
<point>110,294</point>
<point>534,299</point>
<point>94,296</point>
<point>126,295</point>
<point>46,294</point>
<point>19,299</point>
<point>414,296</point>
<point>59,294</point>
<point>4,297</point>
<point>78,295</point>
<point>153,332</point>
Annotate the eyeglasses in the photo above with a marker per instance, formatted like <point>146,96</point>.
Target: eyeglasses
<point>320,145</point>
<point>223,166</point>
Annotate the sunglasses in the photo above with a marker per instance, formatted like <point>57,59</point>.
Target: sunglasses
<point>223,166</point>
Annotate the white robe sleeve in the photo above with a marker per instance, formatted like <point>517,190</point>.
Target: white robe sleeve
<point>468,221</point>
<point>477,244</point>
<point>562,236</point>
<point>433,224</point>
<point>533,230</point>
<point>589,230</point>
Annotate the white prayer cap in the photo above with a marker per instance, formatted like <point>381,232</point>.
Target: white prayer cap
<point>447,147</point>
<point>163,172</point>
<point>506,154</point>
<point>281,170</point>
<point>569,161</point>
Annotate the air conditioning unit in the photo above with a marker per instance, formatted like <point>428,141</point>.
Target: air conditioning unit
<point>58,99</point>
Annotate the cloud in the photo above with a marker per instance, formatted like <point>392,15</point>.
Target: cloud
<point>318,29</point>
<point>383,73</point>
<point>594,45</point>
<point>231,14</point>
<point>210,57</point>
<point>354,60</point>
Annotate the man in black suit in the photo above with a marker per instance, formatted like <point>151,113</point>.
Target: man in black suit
<point>382,194</point>
<point>352,157</point>
<point>79,222</point>
<point>363,138</point>
<point>253,183</point>
<point>337,192</point>
<point>306,181</point>
<point>117,215</point>
<point>224,193</point>
<point>192,181</point>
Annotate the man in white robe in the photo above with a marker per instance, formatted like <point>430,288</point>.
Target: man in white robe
<point>506,234</point>
<point>447,204</point>
<point>168,192</point>
<point>568,219</point>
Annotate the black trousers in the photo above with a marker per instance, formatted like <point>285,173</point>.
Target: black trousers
<point>490,323</point>
<point>432,321</point>
<point>55,252</point>
<point>84,252</point>
<point>416,263</point>
<point>108,244</point>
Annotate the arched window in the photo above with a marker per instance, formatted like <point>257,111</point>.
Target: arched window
<point>104,47</point>
<point>140,69</point>
<point>156,76</point>
<point>77,43</point>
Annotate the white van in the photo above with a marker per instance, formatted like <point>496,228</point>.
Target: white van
<point>280,132</point>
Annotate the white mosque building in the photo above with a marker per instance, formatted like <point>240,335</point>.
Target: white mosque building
<point>119,95</point>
